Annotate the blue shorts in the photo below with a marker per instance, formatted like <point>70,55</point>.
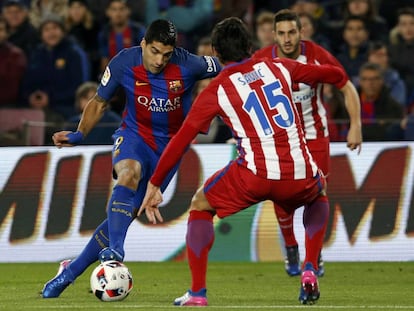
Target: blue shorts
<point>128,145</point>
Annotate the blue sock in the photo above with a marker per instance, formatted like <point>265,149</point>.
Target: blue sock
<point>98,241</point>
<point>120,215</point>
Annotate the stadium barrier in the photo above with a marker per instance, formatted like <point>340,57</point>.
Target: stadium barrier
<point>52,199</point>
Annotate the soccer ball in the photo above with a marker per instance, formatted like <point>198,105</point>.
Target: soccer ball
<point>111,281</point>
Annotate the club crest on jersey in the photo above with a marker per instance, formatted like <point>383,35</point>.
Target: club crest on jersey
<point>60,63</point>
<point>175,85</point>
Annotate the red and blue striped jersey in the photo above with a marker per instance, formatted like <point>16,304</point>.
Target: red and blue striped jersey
<point>156,104</point>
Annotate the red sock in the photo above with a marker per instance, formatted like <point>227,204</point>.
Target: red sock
<point>199,238</point>
<point>286,225</point>
<point>315,219</point>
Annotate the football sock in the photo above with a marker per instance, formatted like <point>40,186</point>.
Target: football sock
<point>315,220</point>
<point>120,215</point>
<point>199,238</point>
<point>89,255</point>
<point>286,225</point>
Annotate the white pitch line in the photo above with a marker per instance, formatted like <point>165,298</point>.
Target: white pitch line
<point>336,307</point>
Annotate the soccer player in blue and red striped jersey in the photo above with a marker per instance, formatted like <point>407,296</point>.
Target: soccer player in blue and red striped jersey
<point>254,98</point>
<point>158,78</point>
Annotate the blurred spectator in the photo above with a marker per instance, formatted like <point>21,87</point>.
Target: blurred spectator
<point>40,100</point>
<point>316,10</point>
<point>310,32</point>
<point>338,119</point>
<point>381,114</point>
<point>311,7</point>
<point>354,51</point>
<point>193,19</point>
<point>21,32</point>
<point>242,9</point>
<point>271,6</point>
<point>55,68</point>
<point>264,29</point>
<point>409,129</point>
<point>204,47</point>
<point>81,25</point>
<point>98,9</point>
<point>218,131</point>
<point>402,52</point>
<point>377,26</point>
<point>40,9</point>
<point>101,134</point>
<point>119,33</point>
<point>387,9</point>
<point>12,67</point>
<point>378,54</point>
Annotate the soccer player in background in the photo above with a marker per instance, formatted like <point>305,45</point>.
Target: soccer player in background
<point>253,97</point>
<point>309,103</point>
<point>158,78</point>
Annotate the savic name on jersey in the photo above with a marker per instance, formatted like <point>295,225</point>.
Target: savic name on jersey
<point>251,77</point>
<point>159,104</point>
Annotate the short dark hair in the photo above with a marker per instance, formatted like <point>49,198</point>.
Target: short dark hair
<point>356,18</point>
<point>287,15</point>
<point>232,40</point>
<point>163,31</point>
<point>83,91</point>
<point>371,67</point>
<point>405,11</point>
<point>376,45</point>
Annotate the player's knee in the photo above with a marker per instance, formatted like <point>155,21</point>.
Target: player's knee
<point>129,177</point>
<point>199,202</point>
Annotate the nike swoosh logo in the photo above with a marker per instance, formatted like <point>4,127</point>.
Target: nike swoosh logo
<point>137,83</point>
<point>120,203</point>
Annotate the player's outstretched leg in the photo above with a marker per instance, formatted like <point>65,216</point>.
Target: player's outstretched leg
<point>315,218</point>
<point>121,213</point>
<point>309,290</point>
<point>70,270</point>
<point>292,260</point>
<point>199,239</point>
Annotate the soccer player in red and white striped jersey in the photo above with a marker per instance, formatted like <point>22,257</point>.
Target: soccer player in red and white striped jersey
<point>253,97</point>
<point>309,102</point>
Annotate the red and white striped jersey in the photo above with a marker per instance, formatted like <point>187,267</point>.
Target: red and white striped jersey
<point>254,99</point>
<point>308,100</point>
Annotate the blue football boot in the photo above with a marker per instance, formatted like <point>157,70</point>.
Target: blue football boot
<point>57,285</point>
<point>108,254</point>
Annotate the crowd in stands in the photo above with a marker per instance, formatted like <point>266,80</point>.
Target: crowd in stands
<point>53,52</point>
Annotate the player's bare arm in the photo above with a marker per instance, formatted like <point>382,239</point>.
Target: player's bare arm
<point>152,199</point>
<point>353,107</point>
<point>91,115</point>
<point>93,112</point>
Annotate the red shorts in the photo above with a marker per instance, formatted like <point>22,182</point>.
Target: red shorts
<point>319,148</point>
<point>235,188</point>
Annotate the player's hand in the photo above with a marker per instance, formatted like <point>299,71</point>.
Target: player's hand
<point>152,199</point>
<point>354,138</point>
<point>67,138</point>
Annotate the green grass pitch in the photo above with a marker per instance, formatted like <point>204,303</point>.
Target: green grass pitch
<point>231,286</point>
